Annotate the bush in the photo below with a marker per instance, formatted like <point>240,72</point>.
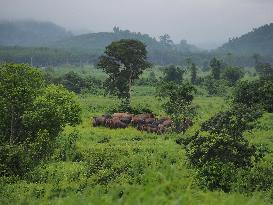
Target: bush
<point>173,74</point>
<point>221,151</point>
<point>32,116</point>
<point>178,102</point>
<point>258,178</point>
<point>232,74</point>
<point>234,121</point>
<point>217,159</point>
<point>215,87</point>
<point>259,92</point>
<point>66,149</point>
<point>217,175</point>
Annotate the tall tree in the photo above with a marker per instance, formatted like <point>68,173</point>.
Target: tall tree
<point>193,73</point>
<point>215,65</point>
<point>123,61</point>
<point>173,74</point>
<point>178,103</point>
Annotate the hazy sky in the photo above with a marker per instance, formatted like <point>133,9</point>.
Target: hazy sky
<point>206,23</point>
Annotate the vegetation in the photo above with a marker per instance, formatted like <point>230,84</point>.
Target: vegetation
<point>50,153</point>
<point>173,74</point>
<point>123,61</point>
<point>258,92</point>
<point>178,104</point>
<point>32,117</point>
<point>259,40</point>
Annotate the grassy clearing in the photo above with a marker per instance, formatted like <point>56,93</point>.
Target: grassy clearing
<point>127,166</point>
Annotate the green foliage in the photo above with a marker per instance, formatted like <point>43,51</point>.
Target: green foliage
<point>66,149</point>
<point>151,80</point>
<point>222,151</point>
<point>75,82</point>
<point>173,74</point>
<point>123,61</point>
<point>218,157</point>
<point>264,69</point>
<point>193,73</point>
<point>259,40</point>
<point>215,65</point>
<point>19,86</point>
<point>72,81</point>
<point>258,92</point>
<point>178,102</point>
<point>54,103</point>
<point>258,178</point>
<point>215,87</point>
<point>233,74</point>
<point>233,122</point>
<point>32,117</point>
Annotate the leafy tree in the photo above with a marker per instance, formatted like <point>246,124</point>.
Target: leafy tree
<point>54,103</point>
<point>152,78</point>
<point>218,159</point>
<point>258,92</point>
<point>73,81</point>
<point>264,69</point>
<point>165,40</point>
<point>193,73</point>
<point>178,102</point>
<point>215,87</point>
<point>233,122</point>
<point>232,74</point>
<point>31,117</point>
<point>215,65</point>
<point>123,61</point>
<point>173,74</point>
<point>220,150</point>
<point>19,86</point>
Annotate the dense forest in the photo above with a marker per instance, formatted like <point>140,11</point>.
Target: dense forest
<point>260,40</point>
<point>46,44</point>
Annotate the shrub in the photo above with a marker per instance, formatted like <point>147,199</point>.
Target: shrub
<point>178,102</point>
<point>217,159</point>
<point>215,87</point>
<point>259,92</point>
<point>32,116</point>
<point>221,151</point>
<point>173,74</point>
<point>258,178</point>
<point>232,74</point>
<point>234,121</point>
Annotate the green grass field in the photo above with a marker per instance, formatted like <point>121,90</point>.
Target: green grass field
<point>127,166</point>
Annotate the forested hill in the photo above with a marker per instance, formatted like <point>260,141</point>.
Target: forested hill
<point>30,33</point>
<point>260,40</point>
<point>100,40</point>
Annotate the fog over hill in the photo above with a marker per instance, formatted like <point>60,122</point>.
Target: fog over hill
<point>204,23</point>
<point>30,33</point>
<point>259,40</point>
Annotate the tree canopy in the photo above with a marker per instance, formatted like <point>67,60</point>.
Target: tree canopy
<point>123,61</point>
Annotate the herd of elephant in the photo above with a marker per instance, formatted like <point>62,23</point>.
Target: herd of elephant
<point>144,122</point>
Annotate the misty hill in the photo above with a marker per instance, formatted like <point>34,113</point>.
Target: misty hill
<point>260,40</point>
<point>98,41</point>
<point>30,33</point>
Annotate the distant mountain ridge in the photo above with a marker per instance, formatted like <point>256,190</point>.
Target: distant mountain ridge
<point>259,40</point>
<point>35,34</point>
<point>30,33</point>
<point>100,40</point>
